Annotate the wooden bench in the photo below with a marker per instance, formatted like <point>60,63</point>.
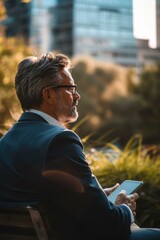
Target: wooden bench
<point>26,223</point>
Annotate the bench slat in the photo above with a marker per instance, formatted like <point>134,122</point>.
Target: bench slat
<point>23,224</point>
<point>13,219</point>
<point>15,237</point>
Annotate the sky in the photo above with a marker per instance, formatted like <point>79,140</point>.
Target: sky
<point>144,20</point>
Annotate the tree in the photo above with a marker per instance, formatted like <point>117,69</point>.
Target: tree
<point>12,51</point>
<point>148,90</point>
<point>139,112</point>
<point>98,83</point>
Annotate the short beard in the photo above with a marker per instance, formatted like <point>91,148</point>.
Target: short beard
<point>70,116</point>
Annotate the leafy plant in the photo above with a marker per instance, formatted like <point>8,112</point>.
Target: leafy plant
<point>133,162</point>
<point>12,51</point>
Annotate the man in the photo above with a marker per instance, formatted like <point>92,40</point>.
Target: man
<point>42,162</point>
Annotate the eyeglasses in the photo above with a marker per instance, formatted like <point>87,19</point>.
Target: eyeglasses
<point>71,88</point>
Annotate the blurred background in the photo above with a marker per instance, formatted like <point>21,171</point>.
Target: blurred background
<point>115,49</point>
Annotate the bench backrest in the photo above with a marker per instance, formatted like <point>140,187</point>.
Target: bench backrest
<point>26,223</point>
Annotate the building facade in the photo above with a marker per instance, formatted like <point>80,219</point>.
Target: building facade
<point>40,31</point>
<point>99,28</point>
<point>102,29</point>
<point>18,18</point>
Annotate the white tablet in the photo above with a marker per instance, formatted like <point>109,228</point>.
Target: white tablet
<point>130,186</point>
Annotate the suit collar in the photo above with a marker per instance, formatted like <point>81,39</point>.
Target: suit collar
<point>47,117</point>
<point>29,116</point>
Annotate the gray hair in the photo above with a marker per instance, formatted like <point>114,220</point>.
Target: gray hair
<point>34,74</point>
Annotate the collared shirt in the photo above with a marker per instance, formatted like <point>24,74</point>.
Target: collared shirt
<point>47,117</point>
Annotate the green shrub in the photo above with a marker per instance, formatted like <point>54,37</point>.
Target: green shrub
<point>133,162</point>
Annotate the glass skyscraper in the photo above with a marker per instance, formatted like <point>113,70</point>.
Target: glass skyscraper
<point>100,28</point>
<point>104,30</point>
<point>18,19</point>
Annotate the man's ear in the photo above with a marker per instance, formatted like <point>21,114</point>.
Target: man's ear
<point>48,95</point>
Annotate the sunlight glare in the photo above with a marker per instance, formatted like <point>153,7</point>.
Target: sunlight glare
<point>144,21</point>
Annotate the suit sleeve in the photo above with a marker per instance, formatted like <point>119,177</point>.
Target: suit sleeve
<point>78,191</point>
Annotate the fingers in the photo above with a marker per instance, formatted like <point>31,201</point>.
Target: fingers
<point>134,196</point>
<point>121,198</point>
<point>132,205</point>
<point>114,187</point>
<point>108,191</point>
<point>129,200</point>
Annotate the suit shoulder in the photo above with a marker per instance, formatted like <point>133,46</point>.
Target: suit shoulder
<point>67,134</point>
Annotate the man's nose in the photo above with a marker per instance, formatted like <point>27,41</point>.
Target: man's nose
<point>77,96</point>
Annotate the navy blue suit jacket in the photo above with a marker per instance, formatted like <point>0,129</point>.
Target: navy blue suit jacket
<point>42,163</point>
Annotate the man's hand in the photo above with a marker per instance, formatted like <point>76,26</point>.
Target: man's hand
<point>129,200</point>
<point>108,191</point>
